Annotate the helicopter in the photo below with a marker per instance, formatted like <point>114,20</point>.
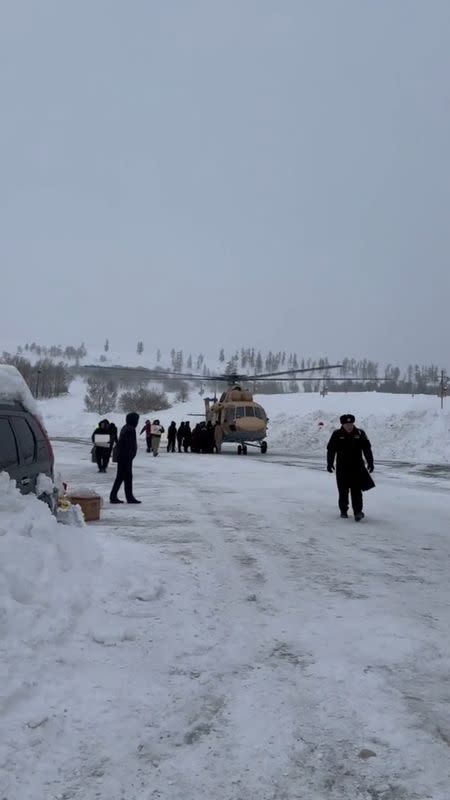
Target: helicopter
<point>236,417</point>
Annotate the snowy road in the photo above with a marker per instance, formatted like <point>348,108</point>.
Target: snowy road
<point>246,644</point>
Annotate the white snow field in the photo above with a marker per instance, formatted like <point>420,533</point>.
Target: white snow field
<point>400,427</point>
<point>234,641</point>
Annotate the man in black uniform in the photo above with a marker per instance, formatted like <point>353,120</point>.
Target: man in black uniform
<point>126,451</point>
<point>348,445</point>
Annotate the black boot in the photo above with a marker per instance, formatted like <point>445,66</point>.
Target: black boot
<point>359,516</point>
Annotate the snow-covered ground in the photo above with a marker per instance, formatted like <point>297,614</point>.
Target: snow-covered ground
<point>238,640</point>
<point>400,427</point>
<point>231,638</point>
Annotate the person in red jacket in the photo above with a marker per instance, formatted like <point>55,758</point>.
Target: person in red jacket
<point>148,434</point>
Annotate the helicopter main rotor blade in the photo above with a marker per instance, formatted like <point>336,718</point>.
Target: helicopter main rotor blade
<point>288,372</point>
<point>340,379</point>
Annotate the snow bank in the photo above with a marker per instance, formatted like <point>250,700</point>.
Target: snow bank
<point>46,572</point>
<point>13,387</point>
<point>400,427</point>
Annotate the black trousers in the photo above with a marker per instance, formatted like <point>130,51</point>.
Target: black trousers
<point>102,455</point>
<point>149,444</point>
<point>124,475</point>
<point>171,445</point>
<point>346,483</point>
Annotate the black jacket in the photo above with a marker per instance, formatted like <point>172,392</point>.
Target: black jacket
<point>127,444</point>
<point>113,433</point>
<point>180,432</point>
<point>187,435</point>
<point>348,449</point>
<point>172,432</point>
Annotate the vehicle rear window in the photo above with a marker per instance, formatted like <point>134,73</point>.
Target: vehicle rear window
<point>25,439</point>
<point>42,448</point>
<point>8,447</point>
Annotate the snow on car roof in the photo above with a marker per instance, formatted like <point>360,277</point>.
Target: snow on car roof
<point>13,388</point>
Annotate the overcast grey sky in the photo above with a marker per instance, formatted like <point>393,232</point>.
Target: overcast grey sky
<point>199,173</point>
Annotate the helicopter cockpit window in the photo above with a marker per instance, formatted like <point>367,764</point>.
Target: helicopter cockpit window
<point>259,413</point>
<point>240,411</point>
<point>229,415</point>
<point>249,411</point>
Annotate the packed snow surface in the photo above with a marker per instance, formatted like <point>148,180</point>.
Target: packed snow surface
<point>238,642</point>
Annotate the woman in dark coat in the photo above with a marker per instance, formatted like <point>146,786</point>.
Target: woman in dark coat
<point>171,437</point>
<point>187,437</point>
<point>180,436</point>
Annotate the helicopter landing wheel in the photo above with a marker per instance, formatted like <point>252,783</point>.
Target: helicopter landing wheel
<point>263,447</point>
<point>239,450</point>
<point>244,449</point>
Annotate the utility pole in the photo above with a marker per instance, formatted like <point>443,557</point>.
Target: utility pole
<point>442,388</point>
<point>37,383</point>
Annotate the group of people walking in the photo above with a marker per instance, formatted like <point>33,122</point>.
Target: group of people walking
<point>123,449</point>
<point>199,440</point>
<point>348,448</point>
<point>183,438</point>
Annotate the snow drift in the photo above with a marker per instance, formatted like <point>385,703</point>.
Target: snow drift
<point>400,427</point>
<point>46,572</point>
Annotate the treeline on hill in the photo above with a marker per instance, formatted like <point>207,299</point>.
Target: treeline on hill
<point>361,375</point>
<point>414,380</point>
<point>45,378</point>
<point>48,374</point>
<point>69,353</point>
